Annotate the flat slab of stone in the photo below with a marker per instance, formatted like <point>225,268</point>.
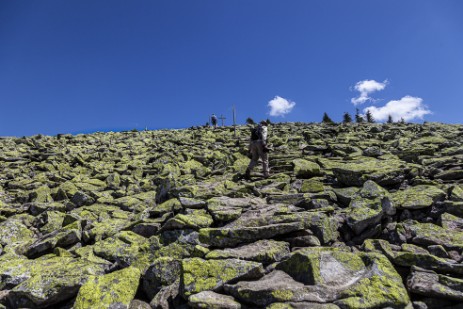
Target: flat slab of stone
<point>48,281</point>
<point>230,237</point>
<point>277,286</point>
<point>430,284</point>
<point>325,275</point>
<point>263,251</point>
<point>114,290</point>
<point>200,275</point>
<point>383,172</point>
<point>306,169</point>
<point>417,197</point>
<point>209,299</point>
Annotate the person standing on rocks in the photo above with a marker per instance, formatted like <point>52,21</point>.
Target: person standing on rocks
<point>214,120</point>
<point>258,149</point>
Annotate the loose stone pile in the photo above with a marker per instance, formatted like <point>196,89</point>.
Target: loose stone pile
<point>353,216</point>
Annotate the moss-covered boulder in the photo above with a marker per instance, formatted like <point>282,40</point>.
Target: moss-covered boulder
<point>51,280</point>
<point>362,217</point>
<point>170,206</point>
<point>263,251</point>
<point>451,222</point>
<point>38,208</point>
<point>212,300</point>
<point>383,172</point>
<point>14,269</point>
<point>345,195</point>
<point>367,207</point>
<point>161,273</point>
<point>417,197</point>
<point>312,186</point>
<point>125,248</point>
<point>277,286</point>
<point>225,209</point>
<point>409,255</point>
<point>229,237</point>
<point>41,195</point>
<point>194,167</point>
<point>114,290</point>
<point>431,284</point>
<point>353,276</point>
<point>306,169</point>
<point>196,219</point>
<point>321,271</point>
<point>64,237</point>
<point>450,175</point>
<point>456,193</point>
<point>200,275</point>
<point>14,231</point>
<point>432,234</point>
<point>313,266</point>
<point>81,198</point>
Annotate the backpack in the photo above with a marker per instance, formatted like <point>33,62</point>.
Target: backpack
<point>256,133</point>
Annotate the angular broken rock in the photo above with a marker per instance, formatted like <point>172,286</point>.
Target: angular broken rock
<point>306,169</point>
<point>417,197</point>
<point>277,286</point>
<point>225,209</point>
<point>200,275</point>
<point>413,256</point>
<point>49,281</point>
<point>229,237</point>
<point>114,290</point>
<point>209,299</point>
<point>430,284</point>
<point>163,272</point>
<point>326,275</point>
<point>263,251</point>
<point>383,172</point>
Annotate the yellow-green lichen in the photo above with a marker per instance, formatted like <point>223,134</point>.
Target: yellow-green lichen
<point>117,288</point>
<point>282,295</point>
<point>201,275</point>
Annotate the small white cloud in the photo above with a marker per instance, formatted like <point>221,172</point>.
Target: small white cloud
<point>280,106</point>
<point>366,87</point>
<point>408,108</point>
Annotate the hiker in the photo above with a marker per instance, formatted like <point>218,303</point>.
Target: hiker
<point>258,149</point>
<point>214,120</point>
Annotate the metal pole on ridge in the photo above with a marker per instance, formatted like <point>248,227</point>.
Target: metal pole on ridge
<point>234,122</point>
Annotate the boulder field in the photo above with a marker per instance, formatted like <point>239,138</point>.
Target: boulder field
<point>353,216</point>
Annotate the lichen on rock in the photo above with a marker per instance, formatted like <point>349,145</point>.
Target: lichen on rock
<point>346,209</point>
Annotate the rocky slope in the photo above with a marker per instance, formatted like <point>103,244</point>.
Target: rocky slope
<point>356,216</point>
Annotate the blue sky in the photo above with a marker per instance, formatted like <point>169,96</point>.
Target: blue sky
<point>83,65</point>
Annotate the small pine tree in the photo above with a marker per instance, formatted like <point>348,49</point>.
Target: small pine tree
<point>268,121</point>
<point>346,118</point>
<point>326,118</point>
<point>358,117</point>
<point>402,120</point>
<point>389,119</point>
<point>369,116</point>
<point>249,120</point>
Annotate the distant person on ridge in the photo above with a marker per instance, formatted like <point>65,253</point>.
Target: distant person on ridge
<point>214,120</point>
<point>258,149</point>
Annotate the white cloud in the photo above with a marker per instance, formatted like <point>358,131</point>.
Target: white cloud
<point>366,87</point>
<point>408,108</point>
<point>280,106</point>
